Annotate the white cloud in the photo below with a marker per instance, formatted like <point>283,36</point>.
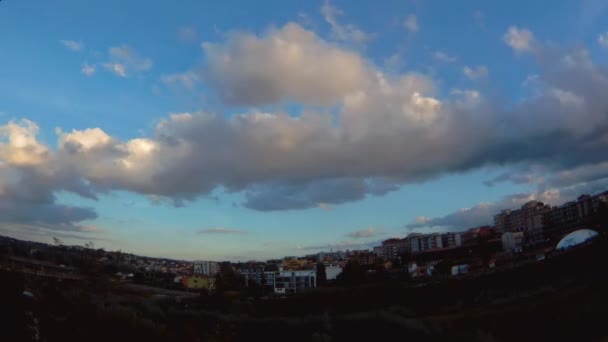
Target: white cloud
<point>72,45</point>
<point>290,63</point>
<point>87,69</point>
<point>519,39</point>
<point>124,61</point>
<point>20,147</point>
<point>443,57</point>
<point>411,23</point>
<point>116,68</point>
<point>476,72</point>
<point>347,33</point>
<point>386,130</point>
<point>602,39</point>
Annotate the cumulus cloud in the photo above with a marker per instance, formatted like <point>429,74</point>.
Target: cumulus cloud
<point>363,233</point>
<point>475,72</point>
<point>602,39</point>
<point>290,63</point>
<point>72,45</point>
<point>411,23</point>
<point>385,131</point>
<point>519,39</point>
<point>346,33</point>
<point>28,182</point>
<point>222,230</point>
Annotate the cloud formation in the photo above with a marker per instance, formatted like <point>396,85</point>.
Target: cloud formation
<point>519,39</point>
<point>288,64</point>
<point>378,132</point>
<point>29,179</point>
<point>346,33</point>
<point>124,61</point>
<point>87,70</point>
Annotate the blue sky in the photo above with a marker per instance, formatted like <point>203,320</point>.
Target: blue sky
<point>440,113</point>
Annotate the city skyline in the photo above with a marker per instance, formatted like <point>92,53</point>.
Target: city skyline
<point>199,131</point>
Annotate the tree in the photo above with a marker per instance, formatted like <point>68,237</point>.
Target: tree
<point>57,242</point>
<point>321,275</point>
<point>352,273</point>
<point>444,267</point>
<point>220,285</point>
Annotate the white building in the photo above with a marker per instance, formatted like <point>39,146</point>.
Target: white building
<point>513,241</point>
<point>332,271</point>
<point>208,268</point>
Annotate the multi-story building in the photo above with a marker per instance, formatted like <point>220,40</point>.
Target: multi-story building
<point>292,281</point>
<point>533,214</point>
<point>206,268</point>
<point>512,241</point>
<point>562,219</point>
<point>501,220</point>
<point>258,276</point>
<point>530,219</point>
<point>451,240</point>
<point>392,248</point>
<point>363,257</point>
<point>419,243</point>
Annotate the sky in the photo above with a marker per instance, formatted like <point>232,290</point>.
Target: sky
<point>239,130</point>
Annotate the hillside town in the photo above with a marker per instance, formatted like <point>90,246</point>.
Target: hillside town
<point>530,233</point>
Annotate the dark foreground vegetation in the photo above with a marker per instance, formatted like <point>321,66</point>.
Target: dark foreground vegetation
<point>561,298</point>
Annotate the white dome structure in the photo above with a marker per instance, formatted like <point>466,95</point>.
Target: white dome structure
<point>577,237</point>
